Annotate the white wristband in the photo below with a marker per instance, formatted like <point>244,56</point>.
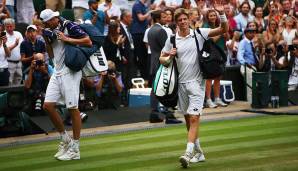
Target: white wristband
<point>223,18</point>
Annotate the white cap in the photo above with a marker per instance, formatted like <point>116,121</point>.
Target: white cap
<point>48,14</point>
<point>32,26</point>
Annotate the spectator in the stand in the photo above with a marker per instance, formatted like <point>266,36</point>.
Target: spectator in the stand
<point>273,13</point>
<point>129,63</point>
<point>259,18</point>
<point>244,16</point>
<point>113,12</point>
<point>188,4</point>
<point>293,66</point>
<point>25,11</point>
<point>157,37</point>
<point>95,16</point>
<point>230,15</point>
<point>170,20</point>
<point>251,3</point>
<point>36,83</point>
<point>272,33</point>
<point>108,87</point>
<point>79,7</point>
<point>10,5</point>
<point>4,53</point>
<point>286,7</point>
<point>140,15</point>
<point>247,58</point>
<point>113,42</point>
<point>212,21</point>
<point>232,48</point>
<point>30,47</point>
<point>4,12</point>
<point>55,5</point>
<point>289,31</point>
<point>268,59</point>
<point>14,39</point>
<point>196,19</point>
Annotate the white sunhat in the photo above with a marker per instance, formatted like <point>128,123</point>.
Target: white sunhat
<point>48,14</point>
<point>32,27</point>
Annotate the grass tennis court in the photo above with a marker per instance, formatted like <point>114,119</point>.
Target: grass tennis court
<point>261,143</point>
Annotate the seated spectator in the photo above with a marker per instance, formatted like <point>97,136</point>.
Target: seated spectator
<point>36,83</point>
<point>29,47</point>
<point>108,87</point>
<point>4,53</point>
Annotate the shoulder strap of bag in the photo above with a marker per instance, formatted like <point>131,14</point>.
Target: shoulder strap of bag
<point>197,42</point>
<point>173,40</point>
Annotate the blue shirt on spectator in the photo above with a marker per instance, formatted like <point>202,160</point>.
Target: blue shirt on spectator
<point>138,26</point>
<point>245,54</point>
<point>28,48</point>
<point>100,21</point>
<point>242,21</point>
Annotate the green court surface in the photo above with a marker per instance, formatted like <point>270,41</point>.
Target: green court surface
<point>260,143</point>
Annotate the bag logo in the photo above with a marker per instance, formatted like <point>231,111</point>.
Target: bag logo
<point>205,54</point>
<point>165,81</point>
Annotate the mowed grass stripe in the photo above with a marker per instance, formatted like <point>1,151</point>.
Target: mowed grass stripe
<point>209,126</point>
<point>205,139</point>
<point>224,138</point>
<point>178,132</point>
<point>136,150</point>
<point>101,161</point>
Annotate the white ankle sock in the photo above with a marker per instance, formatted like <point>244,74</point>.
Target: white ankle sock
<point>65,137</point>
<point>76,144</point>
<point>190,147</point>
<point>198,146</point>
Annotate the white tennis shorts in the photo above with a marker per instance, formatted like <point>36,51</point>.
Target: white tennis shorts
<point>191,97</point>
<point>64,89</point>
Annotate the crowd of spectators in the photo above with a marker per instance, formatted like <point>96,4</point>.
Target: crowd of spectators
<point>262,37</point>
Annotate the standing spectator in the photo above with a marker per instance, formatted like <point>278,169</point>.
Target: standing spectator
<point>58,88</point>
<point>14,39</point>
<point>289,31</point>
<point>25,11</point>
<point>4,12</point>
<point>196,18</point>
<point>4,53</point>
<point>139,25</point>
<point>286,7</point>
<point>113,12</point>
<point>272,33</point>
<point>246,56</point>
<point>128,65</point>
<point>259,18</point>
<point>55,5</point>
<point>251,3</point>
<point>191,88</point>
<point>29,47</point>
<point>230,15</point>
<point>79,7</point>
<point>170,20</point>
<point>273,13</point>
<point>244,16</point>
<point>212,21</point>
<point>157,37</point>
<point>188,4</point>
<point>113,42</point>
<point>95,16</point>
<point>10,5</point>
